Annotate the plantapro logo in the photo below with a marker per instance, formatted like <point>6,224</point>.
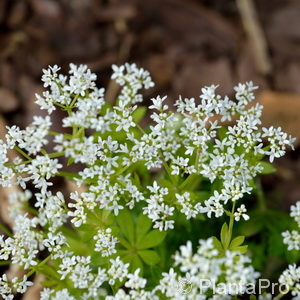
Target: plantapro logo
<point>184,286</point>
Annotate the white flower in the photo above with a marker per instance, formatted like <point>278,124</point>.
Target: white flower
<point>134,281</point>
<point>295,212</point>
<point>213,205</point>
<point>290,277</point>
<point>105,242</point>
<point>241,212</point>
<point>117,160</point>
<point>41,169</point>
<point>117,271</point>
<point>158,103</point>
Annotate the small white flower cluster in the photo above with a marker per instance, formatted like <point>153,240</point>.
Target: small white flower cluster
<point>132,79</point>
<point>15,285</point>
<point>241,212</point>
<point>51,210</point>
<point>292,238</point>
<point>187,208</point>
<point>290,278</point>
<point>105,242</point>
<point>24,246</point>
<point>189,145</point>
<point>61,88</point>
<point>78,269</point>
<point>206,263</point>
<point>31,139</point>
<point>17,203</point>
<point>157,210</point>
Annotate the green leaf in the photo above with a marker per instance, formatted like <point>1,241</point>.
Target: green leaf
<point>48,271</point>
<point>139,114</point>
<point>126,224</point>
<point>143,225</point>
<point>242,249</point>
<point>136,263</point>
<point>150,257</point>
<point>124,243</point>
<point>70,161</point>
<point>222,132</point>
<point>48,283</point>
<point>217,244</point>
<point>98,260</point>
<point>88,231</point>
<point>70,233</point>
<point>267,167</point>
<point>201,196</point>
<point>151,239</point>
<point>236,242</point>
<point>225,238</point>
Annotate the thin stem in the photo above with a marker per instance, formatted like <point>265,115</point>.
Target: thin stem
<point>60,105</point>
<point>5,262</point>
<point>56,154</point>
<point>230,227</point>
<point>19,150</point>
<point>122,170</point>
<point>73,101</point>
<point>68,175</point>
<point>187,181</point>
<point>40,264</point>
<point>140,128</point>
<point>54,133</point>
<point>191,177</point>
<point>231,221</point>
<point>280,295</point>
<point>167,168</point>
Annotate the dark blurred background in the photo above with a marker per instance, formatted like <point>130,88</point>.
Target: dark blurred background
<point>185,44</point>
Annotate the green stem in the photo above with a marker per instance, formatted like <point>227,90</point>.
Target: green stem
<point>5,262</point>
<point>167,168</point>
<point>73,101</point>
<point>52,155</point>
<point>121,171</point>
<point>60,105</point>
<point>68,175</point>
<point>19,150</point>
<point>54,133</point>
<point>56,154</point>
<point>230,227</point>
<point>187,181</point>
<point>140,128</point>
<point>191,177</point>
<point>40,264</point>
<point>231,221</point>
<point>279,296</point>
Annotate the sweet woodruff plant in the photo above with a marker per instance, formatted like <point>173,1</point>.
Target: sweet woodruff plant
<point>146,219</point>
